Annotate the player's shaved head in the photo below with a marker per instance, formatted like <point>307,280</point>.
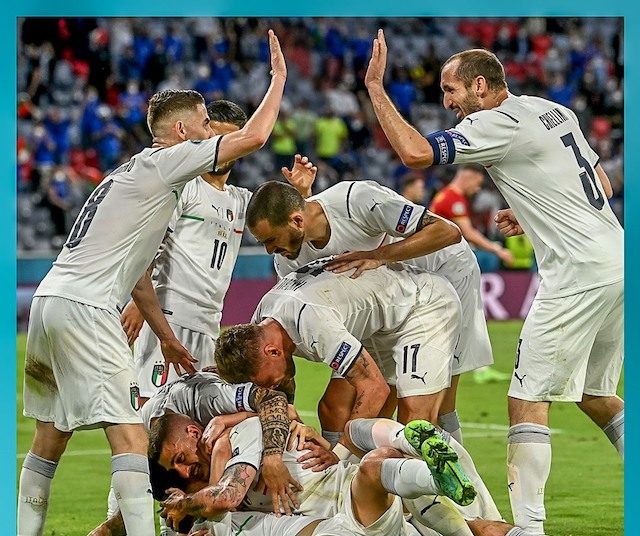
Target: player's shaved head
<point>273,201</point>
<point>224,111</point>
<point>238,353</point>
<point>478,62</point>
<point>166,106</point>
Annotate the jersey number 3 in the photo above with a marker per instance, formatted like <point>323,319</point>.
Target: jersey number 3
<point>588,178</point>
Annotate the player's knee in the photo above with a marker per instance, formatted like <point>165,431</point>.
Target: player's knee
<point>371,463</point>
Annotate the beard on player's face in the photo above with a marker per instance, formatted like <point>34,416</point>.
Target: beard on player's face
<point>294,238</point>
<point>470,104</point>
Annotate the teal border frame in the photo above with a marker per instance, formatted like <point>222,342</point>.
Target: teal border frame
<point>283,8</point>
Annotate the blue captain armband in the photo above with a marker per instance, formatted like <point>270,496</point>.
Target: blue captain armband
<point>443,145</point>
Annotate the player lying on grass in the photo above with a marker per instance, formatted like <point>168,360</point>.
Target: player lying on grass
<point>206,398</point>
<point>360,499</point>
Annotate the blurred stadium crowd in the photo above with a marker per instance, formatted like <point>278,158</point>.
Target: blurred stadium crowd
<point>83,85</point>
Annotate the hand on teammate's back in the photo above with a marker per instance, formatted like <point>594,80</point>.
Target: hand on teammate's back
<point>302,175</point>
<point>378,61</point>
<point>278,482</point>
<point>360,261</point>
<point>178,356</point>
<point>278,65</point>
<point>318,458</point>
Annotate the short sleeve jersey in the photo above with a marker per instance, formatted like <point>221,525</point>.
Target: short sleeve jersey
<point>193,270</point>
<point>201,396</point>
<point>539,159</point>
<point>320,489</point>
<point>450,204</point>
<point>363,215</point>
<point>327,314</point>
<point>119,229</point>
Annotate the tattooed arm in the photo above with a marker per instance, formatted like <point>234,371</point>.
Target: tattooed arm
<point>371,388</point>
<point>272,409</point>
<point>211,501</point>
<point>433,233</point>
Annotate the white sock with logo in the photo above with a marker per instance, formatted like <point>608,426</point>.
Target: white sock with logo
<point>528,467</point>
<point>130,482</point>
<point>33,495</point>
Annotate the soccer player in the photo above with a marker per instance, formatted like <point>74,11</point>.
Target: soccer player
<point>452,202</point>
<point>364,215</point>
<point>79,372</point>
<point>406,318</point>
<point>194,266</point>
<point>571,344</point>
<point>358,499</point>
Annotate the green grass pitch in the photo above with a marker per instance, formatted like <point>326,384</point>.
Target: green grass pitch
<point>583,495</point>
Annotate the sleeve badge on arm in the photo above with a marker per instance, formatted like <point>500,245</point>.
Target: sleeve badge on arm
<point>405,215</point>
<point>340,356</point>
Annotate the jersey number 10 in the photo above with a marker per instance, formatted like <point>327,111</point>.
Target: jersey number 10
<point>219,251</point>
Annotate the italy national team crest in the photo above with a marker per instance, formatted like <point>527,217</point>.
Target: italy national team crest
<point>134,392</point>
<point>159,374</point>
<point>230,214</point>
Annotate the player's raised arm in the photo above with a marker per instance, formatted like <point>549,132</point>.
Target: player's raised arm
<point>412,148</point>
<point>257,130</point>
<point>302,175</point>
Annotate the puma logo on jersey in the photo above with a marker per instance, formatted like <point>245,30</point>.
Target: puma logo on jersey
<point>457,358</point>
<point>521,380</point>
<point>421,378</point>
<point>375,204</point>
<point>470,120</point>
<point>217,209</point>
<point>509,485</point>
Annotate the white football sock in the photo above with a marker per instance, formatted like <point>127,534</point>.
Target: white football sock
<point>483,506</point>
<point>130,482</point>
<point>451,423</point>
<point>370,434</point>
<point>528,467</point>
<point>33,495</point>
<point>112,503</point>
<point>438,513</point>
<point>407,477</point>
<point>614,430</point>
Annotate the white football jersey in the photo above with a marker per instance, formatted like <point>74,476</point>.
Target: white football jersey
<point>201,396</point>
<point>330,316</point>
<point>120,227</point>
<point>194,268</point>
<point>321,490</point>
<point>536,154</point>
<point>363,215</point>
